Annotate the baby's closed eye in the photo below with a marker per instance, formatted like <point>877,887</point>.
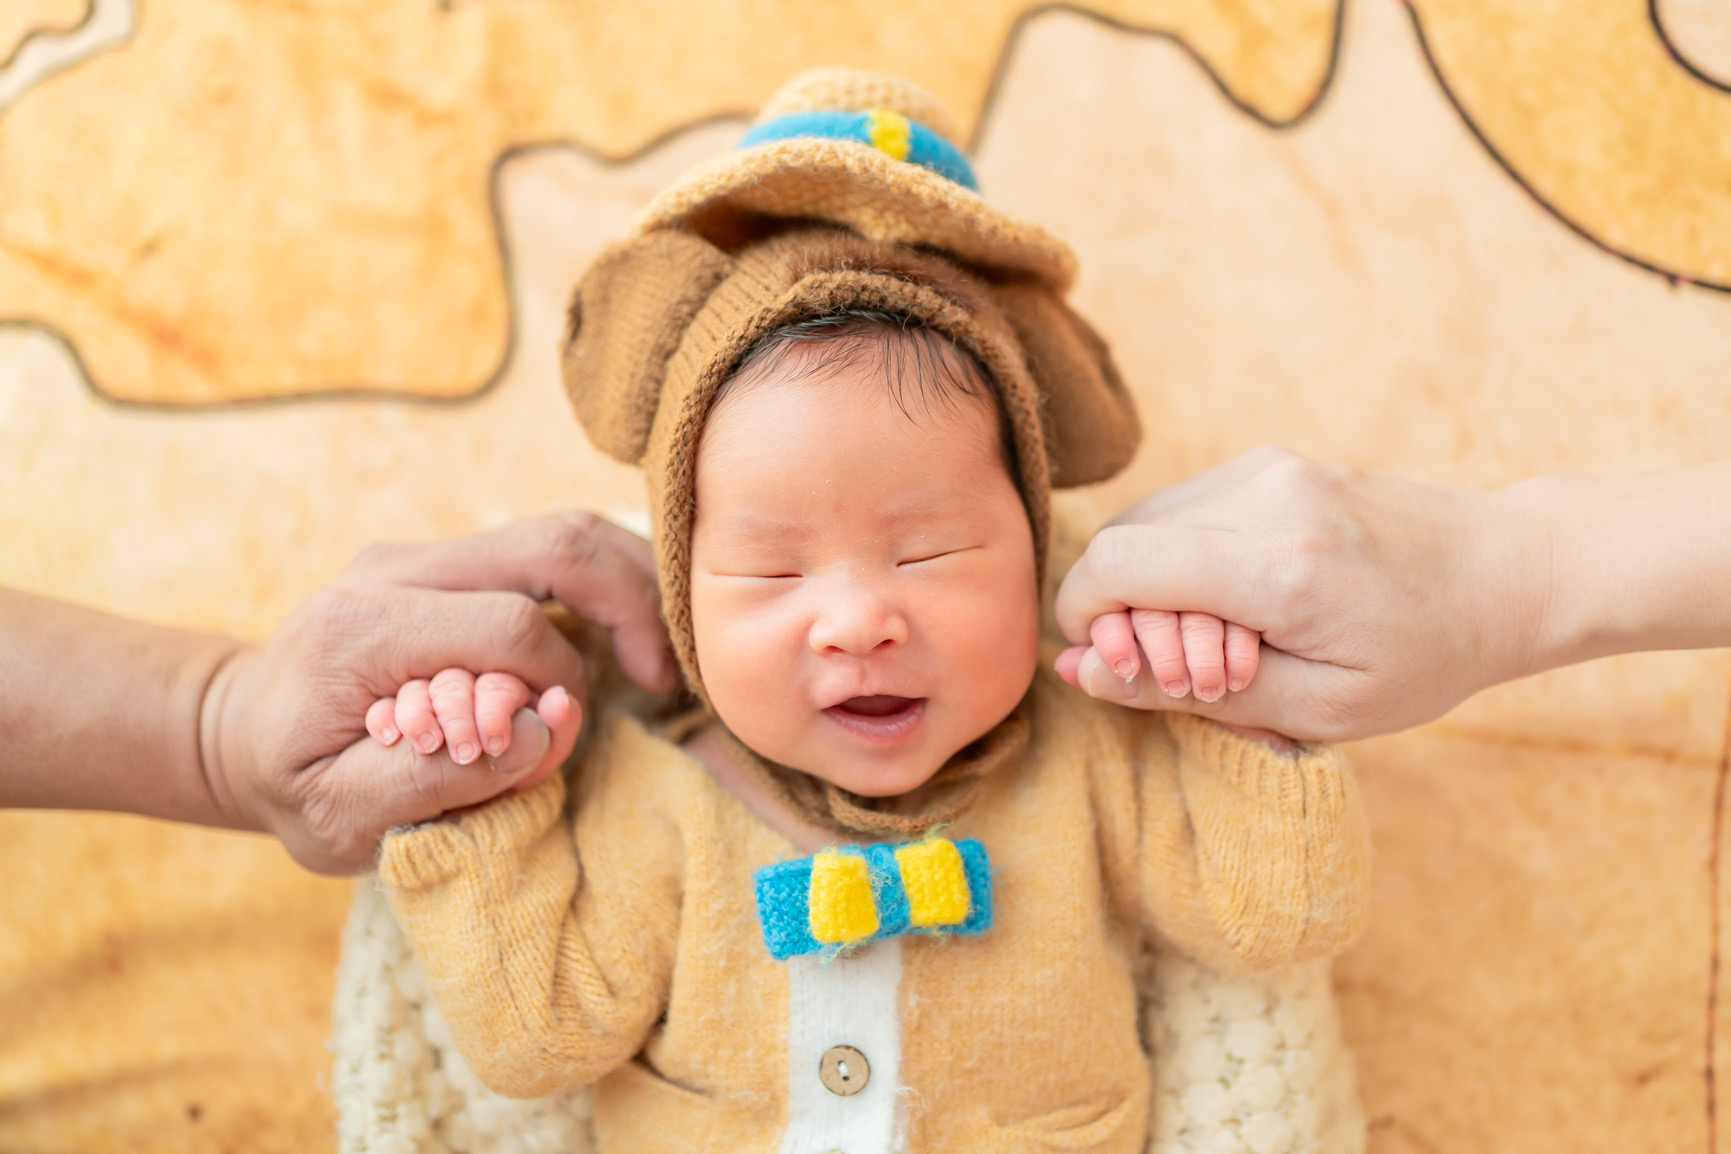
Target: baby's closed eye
<point>921,557</point>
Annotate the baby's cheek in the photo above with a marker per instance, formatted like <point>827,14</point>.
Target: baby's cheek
<point>751,680</point>
<point>991,647</point>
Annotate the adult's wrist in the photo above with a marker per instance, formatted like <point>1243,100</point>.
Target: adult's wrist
<point>1527,593</point>
<point>224,752</point>
<point>1633,562</point>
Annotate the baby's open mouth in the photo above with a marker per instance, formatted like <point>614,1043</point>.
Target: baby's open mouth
<point>878,705</point>
<point>881,718</point>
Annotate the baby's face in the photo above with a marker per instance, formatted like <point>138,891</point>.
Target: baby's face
<point>862,582</point>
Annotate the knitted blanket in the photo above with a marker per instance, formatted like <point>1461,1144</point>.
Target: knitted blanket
<point>1242,1065</point>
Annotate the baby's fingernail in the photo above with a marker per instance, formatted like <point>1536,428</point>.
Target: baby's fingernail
<point>426,742</point>
<point>1175,689</point>
<point>1125,669</point>
<point>1209,696</point>
<point>495,746</point>
<point>389,735</point>
<point>1236,684</point>
<point>466,753</point>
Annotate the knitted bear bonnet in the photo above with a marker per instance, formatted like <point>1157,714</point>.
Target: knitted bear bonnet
<point>849,192</point>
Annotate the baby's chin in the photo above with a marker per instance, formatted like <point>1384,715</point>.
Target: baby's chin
<point>877,780</point>
<point>873,773</point>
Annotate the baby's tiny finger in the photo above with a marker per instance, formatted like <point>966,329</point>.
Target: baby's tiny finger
<point>1115,641</point>
<point>498,696</point>
<point>556,708</point>
<point>1157,630</point>
<point>415,717</point>
<point>453,694</point>
<point>1069,663</point>
<point>382,721</point>
<point>1205,653</point>
<point>1243,650</point>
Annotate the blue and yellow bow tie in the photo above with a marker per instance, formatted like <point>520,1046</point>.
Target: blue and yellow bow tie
<point>856,894</point>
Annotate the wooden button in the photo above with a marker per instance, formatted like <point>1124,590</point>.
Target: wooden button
<point>844,1070</point>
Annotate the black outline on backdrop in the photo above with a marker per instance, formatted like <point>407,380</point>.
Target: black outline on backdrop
<point>1683,61</point>
<point>1715,931</point>
<point>1006,54</point>
<point>52,31</point>
<point>1716,850</point>
<point>1013,41</point>
<point>1677,279</point>
<point>70,29</point>
<point>386,392</point>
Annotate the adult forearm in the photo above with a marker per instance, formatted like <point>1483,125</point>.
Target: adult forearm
<point>1635,563</point>
<point>1383,603</point>
<point>97,712</point>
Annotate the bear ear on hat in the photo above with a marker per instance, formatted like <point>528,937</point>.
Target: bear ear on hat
<point>626,318</point>
<point>1091,424</point>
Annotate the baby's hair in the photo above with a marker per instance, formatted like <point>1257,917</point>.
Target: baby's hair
<point>902,348</point>
<point>917,362</point>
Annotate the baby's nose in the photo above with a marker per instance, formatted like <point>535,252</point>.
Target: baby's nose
<point>858,624</point>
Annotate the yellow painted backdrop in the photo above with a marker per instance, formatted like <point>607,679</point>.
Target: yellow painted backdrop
<point>278,279</point>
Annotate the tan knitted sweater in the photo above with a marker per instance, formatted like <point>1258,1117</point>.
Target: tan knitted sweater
<point>621,945</point>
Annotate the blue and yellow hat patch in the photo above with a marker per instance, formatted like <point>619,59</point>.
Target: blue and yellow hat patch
<point>842,898</point>
<point>884,129</point>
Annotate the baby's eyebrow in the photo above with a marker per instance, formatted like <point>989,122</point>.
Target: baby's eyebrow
<point>762,527</point>
<point>921,513</point>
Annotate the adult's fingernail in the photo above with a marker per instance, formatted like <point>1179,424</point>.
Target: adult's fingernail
<point>1175,689</point>
<point>466,753</point>
<point>530,738</point>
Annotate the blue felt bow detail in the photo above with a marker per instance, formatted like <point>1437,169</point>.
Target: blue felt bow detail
<point>844,897</point>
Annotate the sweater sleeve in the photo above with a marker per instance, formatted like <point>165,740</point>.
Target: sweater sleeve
<point>1242,858</point>
<point>547,943</point>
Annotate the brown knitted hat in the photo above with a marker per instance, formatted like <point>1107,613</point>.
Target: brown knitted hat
<point>877,167</point>
<point>663,318</point>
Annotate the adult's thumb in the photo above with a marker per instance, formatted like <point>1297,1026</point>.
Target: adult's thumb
<point>1285,696</point>
<point>529,740</point>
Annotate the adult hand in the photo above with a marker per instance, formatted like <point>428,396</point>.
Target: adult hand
<point>286,725</point>
<point>114,715</point>
<point>1383,602</point>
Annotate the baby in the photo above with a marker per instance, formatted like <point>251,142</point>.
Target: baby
<point>862,624</point>
<point>852,386</point>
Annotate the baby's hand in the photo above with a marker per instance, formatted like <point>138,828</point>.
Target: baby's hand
<point>475,715</point>
<point>1187,652</point>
